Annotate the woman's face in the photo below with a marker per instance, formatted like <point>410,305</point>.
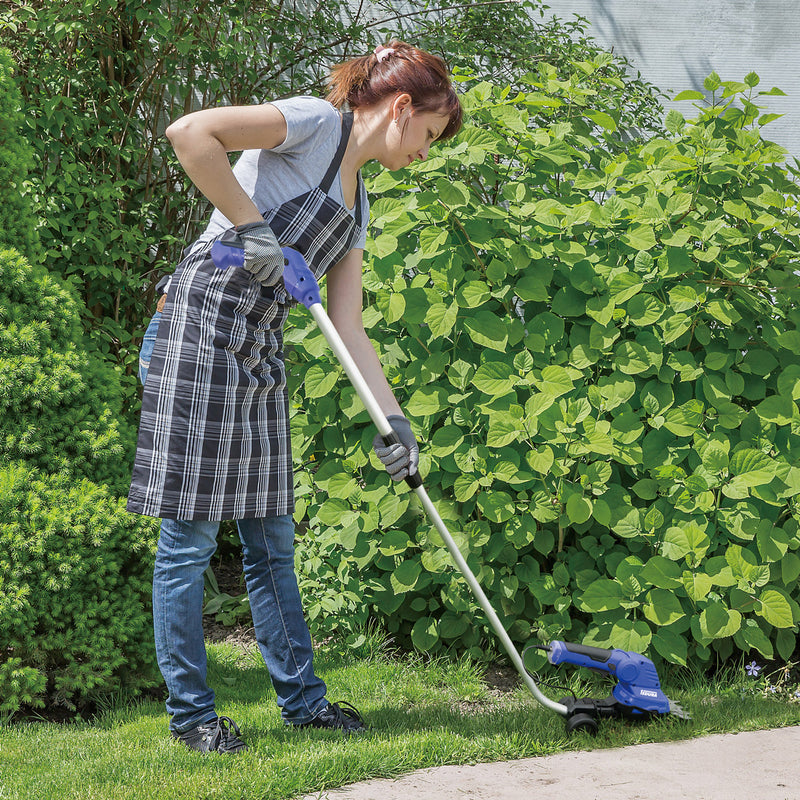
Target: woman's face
<point>410,134</point>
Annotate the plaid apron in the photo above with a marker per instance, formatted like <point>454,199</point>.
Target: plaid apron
<point>214,439</point>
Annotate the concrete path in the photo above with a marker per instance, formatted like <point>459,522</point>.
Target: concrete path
<point>761,765</point>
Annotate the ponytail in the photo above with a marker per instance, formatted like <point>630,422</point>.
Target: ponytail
<point>395,68</point>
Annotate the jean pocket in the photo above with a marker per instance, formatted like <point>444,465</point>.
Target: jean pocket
<point>148,343</point>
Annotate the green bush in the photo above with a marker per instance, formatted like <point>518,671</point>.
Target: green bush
<point>17,223</point>
<point>599,352</point>
<point>74,567</point>
<point>74,600</point>
<point>60,402</point>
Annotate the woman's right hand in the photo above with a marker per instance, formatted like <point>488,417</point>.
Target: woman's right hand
<point>263,258</point>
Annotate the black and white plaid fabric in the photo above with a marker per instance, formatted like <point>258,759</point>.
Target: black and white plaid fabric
<point>214,439</point>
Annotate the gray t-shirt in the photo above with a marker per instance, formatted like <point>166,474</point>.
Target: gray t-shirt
<point>298,164</point>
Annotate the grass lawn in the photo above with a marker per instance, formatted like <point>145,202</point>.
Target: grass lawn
<point>421,713</point>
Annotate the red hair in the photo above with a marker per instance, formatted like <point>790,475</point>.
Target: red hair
<point>395,68</point>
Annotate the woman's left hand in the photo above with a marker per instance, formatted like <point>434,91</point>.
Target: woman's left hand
<point>400,459</point>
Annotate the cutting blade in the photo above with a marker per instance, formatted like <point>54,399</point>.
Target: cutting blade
<point>676,710</point>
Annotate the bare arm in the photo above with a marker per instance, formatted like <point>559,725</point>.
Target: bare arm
<point>344,309</point>
<point>202,141</point>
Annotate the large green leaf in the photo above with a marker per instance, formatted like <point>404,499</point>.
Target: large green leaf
<point>681,541</point>
<point>600,309</point>
<point>616,389</point>
<point>394,543</point>
<point>629,635</point>
<point>717,621</point>
<point>578,508</point>
<point>674,326</point>
<point>496,506</point>
<point>624,286</point>
<point>486,330</point>
<point>663,607</point>
<point>391,507</point>
<point>777,409</point>
<point>333,511</point>
<point>452,193</point>
<point>671,645</point>
<point>601,595</point>
<point>341,485</point>
<point>318,382</point>
<point>684,297</point>
<point>742,562</point>
<point>427,400</point>
<point>645,310</point>
<point>775,609</point>
<point>752,467</point>
<point>772,542</point>
<point>631,358</point>
<point>547,326</point>
<point>446,440</point>
<point>473,294</point>
<point>686,419</point>
<point>384,245</point>
<point>724,311</point>
<point>441,318</point>
<point>452,625</point>
<point>789,382</point>
<point>494,378</point>
<point>504,428</point>
<point>465,487</point>
<point>541,460</point>
<point>432,240</point>
<point>405,576</point>
<point>425,633</point>
<point>532,289</point>
<point>569,302</point>
<point>697,585</point>
<point>640,238</point>
<point>392,305</point>
<point>754,638</point>
<point>555,381</point>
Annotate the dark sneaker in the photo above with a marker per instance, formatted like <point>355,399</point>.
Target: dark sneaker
<point>335,717</point>
<point>221,735</point>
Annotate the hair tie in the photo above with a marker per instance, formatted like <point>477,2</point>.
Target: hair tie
<point>382,52</point>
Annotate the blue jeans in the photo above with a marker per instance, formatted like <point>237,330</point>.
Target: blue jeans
<point>148,343</point>
<point>184,551</point>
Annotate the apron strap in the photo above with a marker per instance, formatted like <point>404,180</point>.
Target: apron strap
<point>347,124</point>
<point>333,169</point>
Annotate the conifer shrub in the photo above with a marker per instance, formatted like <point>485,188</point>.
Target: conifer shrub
<point>74,592</point>
<point>60,402</point>
<point>75,567</point>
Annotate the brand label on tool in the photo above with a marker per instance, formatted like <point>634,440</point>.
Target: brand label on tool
<point>648,693</point>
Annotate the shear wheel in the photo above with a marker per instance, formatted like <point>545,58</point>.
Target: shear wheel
<point>582,722</point>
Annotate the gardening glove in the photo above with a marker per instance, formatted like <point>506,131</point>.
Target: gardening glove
<point>401,459</point>
<point>263,258</point>
<point>254,247</point>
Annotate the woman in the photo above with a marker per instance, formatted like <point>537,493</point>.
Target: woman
<point>214,438</point>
